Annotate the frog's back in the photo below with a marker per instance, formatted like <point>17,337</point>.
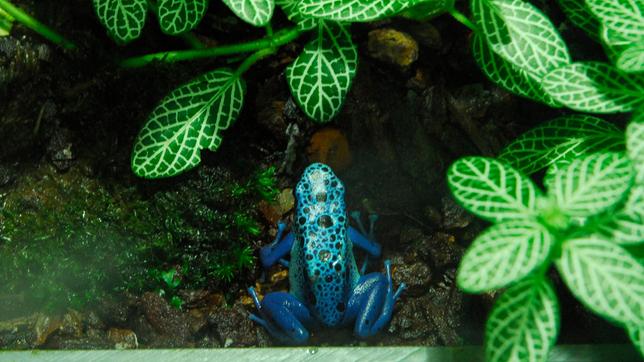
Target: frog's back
<point>322,266</point>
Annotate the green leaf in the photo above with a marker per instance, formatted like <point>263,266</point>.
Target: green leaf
<point>352,10</point>
<point>631,60</point>
<point>636,333</point>
<point>180,16</point>
<point>292,10</point>
<point>507,75</point>
<point>492,190</point>
<point>427,9</point>
<point>581,16</point>
<point>521,34</point>
<point>624,228</point>
<point>523,324</point>
<point>591,184</point>
<point>6,23</point>
<point>635,143</point>
<point>605,278</point>
<point>503,254</point>
<point>123,19</point>
<point>188,120</point>
<point>622,16</point>
<point>595,87</point>
<point>560,141</point>
<point>254,12</point>
<point>321,75</point>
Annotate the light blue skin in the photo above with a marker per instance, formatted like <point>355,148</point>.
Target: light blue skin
<point>326,287</point>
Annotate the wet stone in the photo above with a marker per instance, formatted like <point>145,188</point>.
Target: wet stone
<point>235,329</point>
<point>393,46</point>
<point>169,326</point>
<point>60,150</point>
<point>7,176</point>
<point>417,276</point>
<point>122,338</point>
<point>454,216</point>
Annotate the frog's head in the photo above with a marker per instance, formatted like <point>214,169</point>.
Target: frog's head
<point>319,184</point>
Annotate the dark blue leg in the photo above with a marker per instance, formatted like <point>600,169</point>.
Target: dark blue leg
<point>367,242</point>
<point>278,249</point>
<point>283,316</point>
<point>371,303</point>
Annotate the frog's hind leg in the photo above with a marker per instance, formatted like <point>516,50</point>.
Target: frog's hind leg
<point>371,303</point>
<point>283,316</point>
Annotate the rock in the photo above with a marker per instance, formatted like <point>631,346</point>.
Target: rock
<point>274,211</point>
<point>330,146</point>
<point>44,327</point>
<point>169,325</point>
<point>438,248</point>
<point>432,319</point>
<point>60,149</point>
<point>72,324</point>
<point>7,175</point>
<point>235,329</point>
<point>416,276</point>
<point>393,47</point>
<point>122,338</point>
<point>454,216</point>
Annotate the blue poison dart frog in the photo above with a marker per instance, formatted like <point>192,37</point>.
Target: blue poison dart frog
<point>326,287</point>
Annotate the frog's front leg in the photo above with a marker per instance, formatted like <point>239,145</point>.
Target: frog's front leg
<point>283,316</point>
<point>367,242</point>
<point>278,249</point>
<point>371,302</point>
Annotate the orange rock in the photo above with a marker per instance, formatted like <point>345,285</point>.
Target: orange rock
<point>330,146</point>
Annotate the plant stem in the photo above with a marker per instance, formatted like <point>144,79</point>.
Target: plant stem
<point>191,39</point>
<point>254,58</point>
<point>461,18</point>
<point>280,38</point>
<point>35,25</point>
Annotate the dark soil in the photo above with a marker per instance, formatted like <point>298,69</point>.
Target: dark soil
<point>85,245</point>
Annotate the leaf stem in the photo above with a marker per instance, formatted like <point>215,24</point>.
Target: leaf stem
<point>461,18</point>
<point>254,58</point>
<point>35,25</point>
<point>278,39</point>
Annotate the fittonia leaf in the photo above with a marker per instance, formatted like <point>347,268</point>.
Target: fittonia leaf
<point>179,16</point>
<point>424,10</point>
<point>254,12</point>
<point>591,184</point>
<point>523,324</point>
<point>624,228</point>
<point>560,141</point>
<point>631,59</point>
<point>6,23</point>
<point>492,190</point>
<point>624,17</point>
<point>595,87</point>
<point>352,10</point>
<point>580,15</point>
<point>604,277</point>
<point>188,120</point>
<point>123,19</point>
<point>521,34</point>
<point>321,75</point>
<point>635,143</point>
<point>508,75</point>
<point>503,254</point>
<point>292,10</point>
<point>636,334</point>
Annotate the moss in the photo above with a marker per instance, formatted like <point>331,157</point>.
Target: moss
<point>66,240</point>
